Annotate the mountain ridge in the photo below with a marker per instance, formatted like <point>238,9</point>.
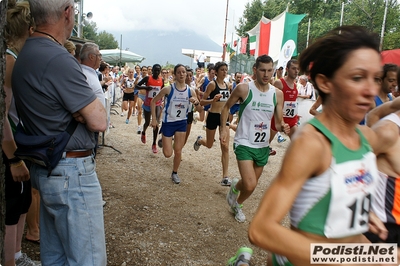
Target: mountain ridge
<point>164,47</point>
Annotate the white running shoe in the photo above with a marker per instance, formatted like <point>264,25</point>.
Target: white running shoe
<point>175,178</point>
<point>242,257</point>
<point>237,210</point>
<point>233,194</point>
<point>226,182</point>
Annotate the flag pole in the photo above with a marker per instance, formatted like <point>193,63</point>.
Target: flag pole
<point>120,53</point>
<point>226,22</point>
<point>383,26</point>
<point>232,35</point>
<point>341,14</point>
<point>308,31</point>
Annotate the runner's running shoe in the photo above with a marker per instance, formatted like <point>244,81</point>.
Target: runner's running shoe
<point>237,210</point>
<point>242,257</point>
<point>196,144</point>
<point>233,194</point>
<point>154,148</point>
<point>175,178</point>
<point>143,138</point>
<point>159,143</point>
<point>226,182</point>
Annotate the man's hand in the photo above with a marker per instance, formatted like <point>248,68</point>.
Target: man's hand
<point>78,117</point>
<point>19,171</point>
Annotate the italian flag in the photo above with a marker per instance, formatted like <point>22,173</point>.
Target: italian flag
<point>269,35</point>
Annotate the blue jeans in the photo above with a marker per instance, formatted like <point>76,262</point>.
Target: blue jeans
<point>71,213</point>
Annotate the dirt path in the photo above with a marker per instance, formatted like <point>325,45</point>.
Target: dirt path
<point>151,221</point>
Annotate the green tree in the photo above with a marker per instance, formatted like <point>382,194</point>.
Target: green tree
<point>168,65</point>
<point>106,40</point>
<point>90,31</point>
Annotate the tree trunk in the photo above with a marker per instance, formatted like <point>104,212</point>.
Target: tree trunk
<point>3,10</point>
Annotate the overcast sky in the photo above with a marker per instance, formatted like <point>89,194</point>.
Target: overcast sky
<point>205,17</point>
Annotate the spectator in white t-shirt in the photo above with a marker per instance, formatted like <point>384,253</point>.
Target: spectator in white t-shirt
<point>306,89</point>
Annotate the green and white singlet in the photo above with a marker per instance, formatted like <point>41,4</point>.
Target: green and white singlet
<point>336,203</point>
<point>255,114</point>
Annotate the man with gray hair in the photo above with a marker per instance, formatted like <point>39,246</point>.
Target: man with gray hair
<point>90,61</point>
<point>305,99</point>
<point>306,90</point>
<point>48,96</point>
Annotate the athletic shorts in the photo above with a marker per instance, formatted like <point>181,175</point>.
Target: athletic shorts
<point>207,107</point>
<point>278,260</point>
<point>146,108</point>
<point>393,235</point>
<point>169,129</point>
<point>147,112</point>
<point>128,96</point>
<point>258,155</point>
<point>234,109</point>
<point>135,92</point>
<point>190,117</point>
<point>142,96</point>
<point>17,194</point>
<point>290,121</point>
<point>213,120</point>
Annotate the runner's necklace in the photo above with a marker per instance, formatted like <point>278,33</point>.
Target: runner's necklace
<point>50,37</point>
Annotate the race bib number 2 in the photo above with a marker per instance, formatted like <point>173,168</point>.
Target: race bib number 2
<point>179,111</point>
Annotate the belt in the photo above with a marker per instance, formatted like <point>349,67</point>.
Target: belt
<point>78,154</point>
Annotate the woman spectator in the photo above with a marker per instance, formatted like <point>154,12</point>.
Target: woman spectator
<point>17,180</point>
<point>70,46</point>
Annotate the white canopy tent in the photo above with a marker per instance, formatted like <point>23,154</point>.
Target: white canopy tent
<point>116,56</point>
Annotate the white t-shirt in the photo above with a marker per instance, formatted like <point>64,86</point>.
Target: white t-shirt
<point>201,58</point>
<point>94,83</point>
<point>308,89</point>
